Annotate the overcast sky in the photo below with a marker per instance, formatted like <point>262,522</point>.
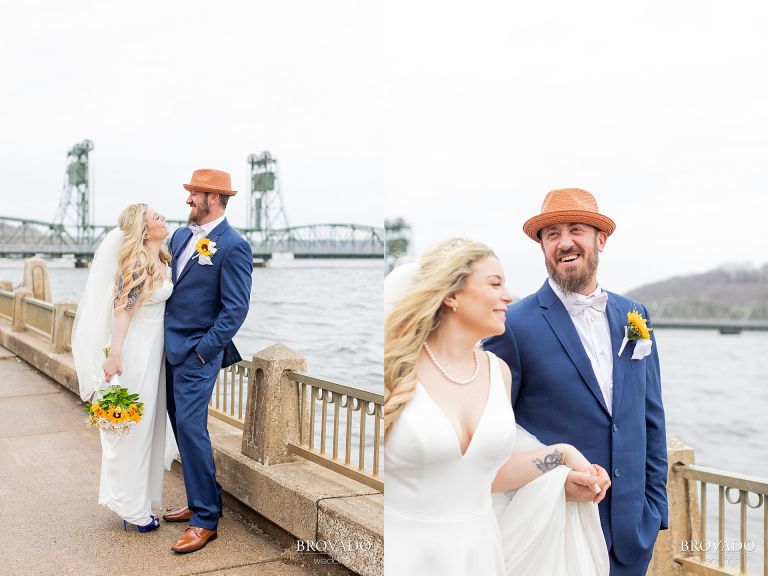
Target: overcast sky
<point>458,117</point>
<point>162,88</point>
<point>660,109</point>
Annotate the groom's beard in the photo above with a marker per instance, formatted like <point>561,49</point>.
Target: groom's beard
<point>200,212</point>
<point>575,282</point>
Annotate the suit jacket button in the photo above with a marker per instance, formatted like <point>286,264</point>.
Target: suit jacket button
<point>615,428</point>
<point>617,472</point>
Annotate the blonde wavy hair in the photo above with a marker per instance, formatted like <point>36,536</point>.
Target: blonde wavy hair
<point>137,268</point>
<point>443,271</point>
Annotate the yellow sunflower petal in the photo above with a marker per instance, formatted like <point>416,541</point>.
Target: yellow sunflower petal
<point>636,320</point>
<point>203,247</point>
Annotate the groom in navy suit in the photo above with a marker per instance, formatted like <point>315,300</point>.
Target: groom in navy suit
<point>212,269</point>
<point>570,383</point>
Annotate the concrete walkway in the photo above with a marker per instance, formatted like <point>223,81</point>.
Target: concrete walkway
<point>50,522</point>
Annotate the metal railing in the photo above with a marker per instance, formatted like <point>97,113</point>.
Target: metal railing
<point>736,489</point>
<point>363,438</point>
<point>347,402</point>
<point>229,394</point>
<point>38,316</point>
<point>6,304</point>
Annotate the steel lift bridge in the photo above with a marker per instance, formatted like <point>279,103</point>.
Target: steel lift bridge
<point>73,234</point>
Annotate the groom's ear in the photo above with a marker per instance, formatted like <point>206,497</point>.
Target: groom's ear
<point>602,238</point>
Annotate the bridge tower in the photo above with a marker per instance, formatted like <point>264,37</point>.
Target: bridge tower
<point>266,209</point>
<point>76,204</point>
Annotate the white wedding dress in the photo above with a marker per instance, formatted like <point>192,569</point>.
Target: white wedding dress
<point>440,517</point>
<point>132,464</point>
<point>131,480</point>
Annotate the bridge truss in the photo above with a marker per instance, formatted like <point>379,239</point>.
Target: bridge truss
<point>23,238</point>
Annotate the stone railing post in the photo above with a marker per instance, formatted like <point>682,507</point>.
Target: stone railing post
<point>683,514</point>
<point>62,332</point>
<point>272,412</point>
<point>36,278</point>
<point>19,322</point>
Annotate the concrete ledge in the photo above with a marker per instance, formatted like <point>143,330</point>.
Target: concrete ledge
<point>36,351</point>
<point>356,523</point>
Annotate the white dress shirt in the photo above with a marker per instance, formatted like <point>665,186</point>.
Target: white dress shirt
<point>189,250</point>
<point>595,335</point>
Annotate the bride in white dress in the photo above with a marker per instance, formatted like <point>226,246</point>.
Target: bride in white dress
<point>123,305</point>
<point>451,438</point>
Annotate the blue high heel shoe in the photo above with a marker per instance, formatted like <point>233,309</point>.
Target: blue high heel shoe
<point>153,524</point>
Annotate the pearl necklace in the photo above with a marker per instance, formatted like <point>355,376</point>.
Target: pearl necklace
<point>449,377</point>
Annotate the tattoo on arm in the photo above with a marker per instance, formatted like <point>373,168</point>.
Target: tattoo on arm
<point>133,294</point>
<point>550,462</point>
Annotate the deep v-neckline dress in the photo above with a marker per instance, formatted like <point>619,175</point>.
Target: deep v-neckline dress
<point>438,517</point>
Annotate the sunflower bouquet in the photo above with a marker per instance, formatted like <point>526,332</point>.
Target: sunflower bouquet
<point>117,410</point>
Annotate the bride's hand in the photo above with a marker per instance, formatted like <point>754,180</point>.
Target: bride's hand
<point>587,486</point>
<point>587,482</point>
<point>575,460</point>
<point>112,365</point>
<point>603,480</point>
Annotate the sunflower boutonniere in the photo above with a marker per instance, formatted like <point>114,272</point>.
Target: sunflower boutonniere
<point>206,248</point>
<point>636,329</point>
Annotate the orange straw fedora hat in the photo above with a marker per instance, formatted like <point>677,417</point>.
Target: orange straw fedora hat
<point>568,205</point>
<point>207,180</point>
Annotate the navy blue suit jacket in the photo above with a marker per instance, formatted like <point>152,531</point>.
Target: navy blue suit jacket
<point>209,303</point>
<point>556,397</point>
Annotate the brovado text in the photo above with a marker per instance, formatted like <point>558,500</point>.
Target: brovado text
<point>326,546</point>
<point>717,545</point>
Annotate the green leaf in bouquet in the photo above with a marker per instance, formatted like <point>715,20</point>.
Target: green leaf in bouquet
<point>118,397</point>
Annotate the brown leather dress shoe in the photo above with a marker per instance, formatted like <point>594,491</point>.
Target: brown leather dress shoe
<point>180,515</point>
<point>193,539</point>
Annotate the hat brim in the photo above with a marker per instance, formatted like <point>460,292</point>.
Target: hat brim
<point>533,225</point>
<point>209,189</point>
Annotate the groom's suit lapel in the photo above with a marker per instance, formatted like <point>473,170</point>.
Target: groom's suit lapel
<point>214,235</point>
<point>562,325</point>
<point>184,236</point>
<point>616,321</point>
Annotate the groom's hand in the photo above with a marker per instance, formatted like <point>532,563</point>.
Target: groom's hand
<point>201,358</point>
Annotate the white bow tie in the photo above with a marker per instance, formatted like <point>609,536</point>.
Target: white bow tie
<point>576,304</point>
<point>196,229</point>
